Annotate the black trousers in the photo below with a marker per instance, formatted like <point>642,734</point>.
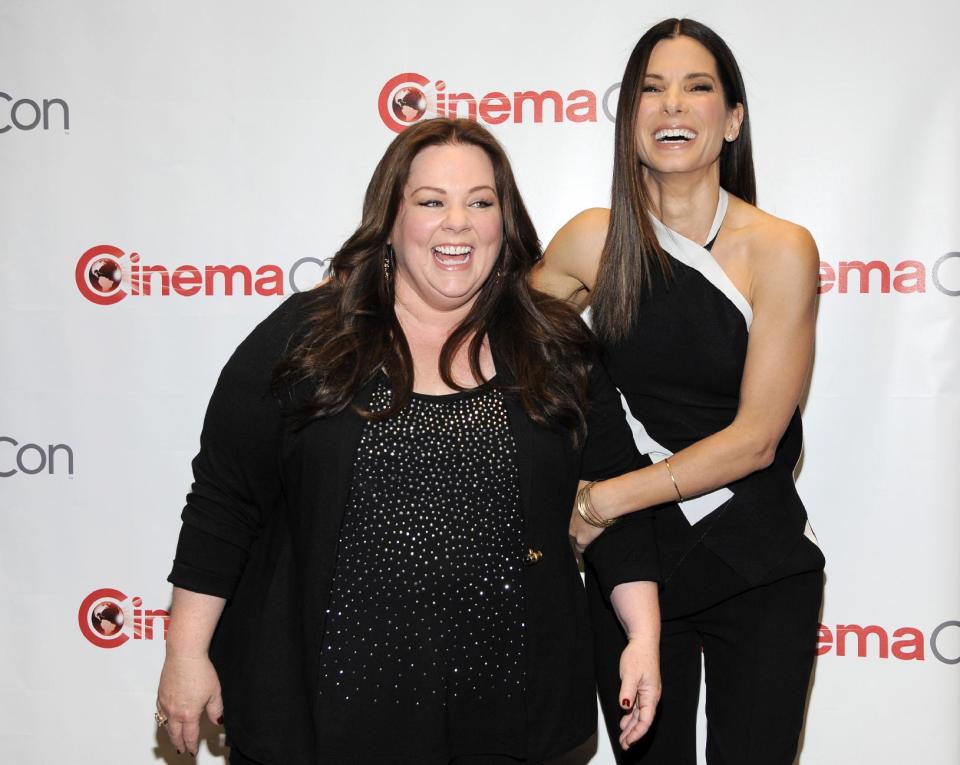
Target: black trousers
<point>758,648</point>
<point>236,758</point>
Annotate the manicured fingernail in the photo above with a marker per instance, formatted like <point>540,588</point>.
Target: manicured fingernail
<point>220,720</point>
<point>625,703</point>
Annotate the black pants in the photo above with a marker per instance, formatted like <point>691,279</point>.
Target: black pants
<point>758,648</point>
<point>236,758</point>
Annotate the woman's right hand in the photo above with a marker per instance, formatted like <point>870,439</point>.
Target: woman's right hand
<point>637,606</point>
<point>639,688</point>
<point>188,686</point>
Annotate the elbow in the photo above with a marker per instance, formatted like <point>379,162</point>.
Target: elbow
<point>756,448</point>
<point>765,460</point>
<point>762,455</point>
<point>752,447</point>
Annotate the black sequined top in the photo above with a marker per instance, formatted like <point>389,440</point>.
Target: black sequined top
<point>423,656</point>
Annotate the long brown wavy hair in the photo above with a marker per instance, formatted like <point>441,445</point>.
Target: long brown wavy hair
<point>631,251</point>
<point>352,331</point>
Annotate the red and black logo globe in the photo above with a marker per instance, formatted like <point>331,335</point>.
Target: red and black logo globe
<point>104,275</point>
<point>409,104</point>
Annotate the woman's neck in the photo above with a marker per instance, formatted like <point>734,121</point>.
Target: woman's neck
<point>685,202</point>
<point>426,330</point>
<point>423,322</point>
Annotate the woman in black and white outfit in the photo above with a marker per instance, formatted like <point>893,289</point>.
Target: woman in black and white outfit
<point>705,306</point>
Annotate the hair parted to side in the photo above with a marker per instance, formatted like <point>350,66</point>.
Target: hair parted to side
<point>631,251</point>
<point>352,331</point>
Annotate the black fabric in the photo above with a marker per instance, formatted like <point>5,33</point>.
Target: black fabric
<point>237,758</point>
<point>425,634</point>
<point>261,527</point>
<point>743,581</point>
<point>758,648</point>
<point>680,369</point>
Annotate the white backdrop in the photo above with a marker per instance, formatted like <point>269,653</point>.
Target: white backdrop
<point>243,134</point>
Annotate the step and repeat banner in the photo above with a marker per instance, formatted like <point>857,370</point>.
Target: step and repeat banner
<point>169,172</point>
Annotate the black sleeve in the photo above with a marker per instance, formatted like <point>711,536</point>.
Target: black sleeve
<point>609,449</point>
<point>236,480</point>
<point>627,551</point>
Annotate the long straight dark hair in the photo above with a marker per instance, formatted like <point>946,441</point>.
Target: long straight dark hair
<point>631,250</point>
<point>352,331</point>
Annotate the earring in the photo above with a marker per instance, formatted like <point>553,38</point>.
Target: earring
<point>387,264</point>
<point>729,138</point>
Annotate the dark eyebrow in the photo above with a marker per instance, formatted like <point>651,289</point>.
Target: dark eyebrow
<point>444,191</point>
<point>690,76</point>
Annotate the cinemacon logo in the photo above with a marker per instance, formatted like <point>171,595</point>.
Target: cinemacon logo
<point>409,98</point>
<point>32,459</point>
<point>904,643</point>
<point>105,275</point>
<point>27,114</point>
<point>907,276</point>
<point>108,619</point>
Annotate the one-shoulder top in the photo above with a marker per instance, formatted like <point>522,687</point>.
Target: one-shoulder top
<point>679,371</point>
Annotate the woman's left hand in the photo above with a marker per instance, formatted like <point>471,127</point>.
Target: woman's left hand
<point>639,688</point>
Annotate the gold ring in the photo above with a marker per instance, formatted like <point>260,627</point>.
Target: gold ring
<point>160,717</point>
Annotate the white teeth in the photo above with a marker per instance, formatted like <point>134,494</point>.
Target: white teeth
<point>674,134</point>
<point>451,249</point>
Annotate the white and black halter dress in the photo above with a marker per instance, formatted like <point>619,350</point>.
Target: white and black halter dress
<point>679,371</point>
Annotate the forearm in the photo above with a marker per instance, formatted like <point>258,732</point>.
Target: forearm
<point>637,606</point>
<point>708,464</point>
<point>193,618</point>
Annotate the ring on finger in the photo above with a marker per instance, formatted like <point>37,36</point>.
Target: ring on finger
<point>161,718</point>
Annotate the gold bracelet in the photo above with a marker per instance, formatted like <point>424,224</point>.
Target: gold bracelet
<point>674,480</point>
<point>586,511</point>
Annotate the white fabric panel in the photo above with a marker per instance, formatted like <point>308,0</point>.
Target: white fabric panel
<point>695,509</point>
<point>698,257</point>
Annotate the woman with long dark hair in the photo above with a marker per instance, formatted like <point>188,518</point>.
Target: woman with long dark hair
<point>705,306</point>
<point>374,564</point>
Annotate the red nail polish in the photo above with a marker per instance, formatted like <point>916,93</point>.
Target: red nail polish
<point>625,702</point>
<point>220,720</point>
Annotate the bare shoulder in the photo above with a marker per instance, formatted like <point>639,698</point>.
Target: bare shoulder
<point>581,238</point>
<point>591,222</point>
<point>776,249</point>
<point>571,259</point>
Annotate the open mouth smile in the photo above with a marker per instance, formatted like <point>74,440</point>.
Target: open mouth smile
<point>674,135</point>
<point>452,255</point>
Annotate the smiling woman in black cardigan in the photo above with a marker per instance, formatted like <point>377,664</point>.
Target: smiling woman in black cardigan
<point>374,563</point>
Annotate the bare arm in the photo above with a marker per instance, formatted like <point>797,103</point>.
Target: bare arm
<point>569,267</point>
<point>189,683</point>
<point>778,360</point>
<point>637,607</point>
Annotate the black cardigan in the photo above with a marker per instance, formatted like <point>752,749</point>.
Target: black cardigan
<point>261,527</point>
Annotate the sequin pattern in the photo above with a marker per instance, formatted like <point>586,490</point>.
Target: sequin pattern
<point>426,601</point>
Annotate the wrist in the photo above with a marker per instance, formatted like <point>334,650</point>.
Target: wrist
<point>586,508</point>
<point>186,652</point>
<point>609,499</point>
